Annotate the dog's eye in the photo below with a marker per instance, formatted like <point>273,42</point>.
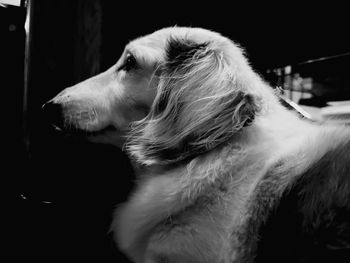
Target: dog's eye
<point>130,63</point>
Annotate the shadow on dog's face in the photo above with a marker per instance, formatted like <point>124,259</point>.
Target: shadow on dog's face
<point>183,90</point>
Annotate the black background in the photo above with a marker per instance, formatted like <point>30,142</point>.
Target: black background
<point>84,182</point>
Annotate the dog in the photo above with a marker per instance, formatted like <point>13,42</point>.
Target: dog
<point>225,172</point>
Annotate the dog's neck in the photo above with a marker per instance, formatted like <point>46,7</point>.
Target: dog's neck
<point>276,124</point>
<point>235,143</point>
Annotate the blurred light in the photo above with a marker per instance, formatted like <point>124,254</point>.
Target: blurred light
<point>12,28</point>
<point>10,2</point>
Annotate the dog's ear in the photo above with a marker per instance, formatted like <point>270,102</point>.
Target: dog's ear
<point>201,102</point>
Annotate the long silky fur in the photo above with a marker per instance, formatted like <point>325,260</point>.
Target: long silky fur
<point>205,82</point>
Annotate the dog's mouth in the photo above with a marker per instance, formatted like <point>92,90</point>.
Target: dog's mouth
<point>105,134</point>
<point>77,132</point>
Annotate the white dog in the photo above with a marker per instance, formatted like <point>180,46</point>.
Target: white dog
<point>218,156</point>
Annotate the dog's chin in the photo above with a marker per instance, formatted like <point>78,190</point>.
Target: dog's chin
<point>106,135</point>
<point>109,135</point>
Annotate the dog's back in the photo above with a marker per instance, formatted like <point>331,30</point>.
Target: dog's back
<point>243,200</point>
<point>308,221</point>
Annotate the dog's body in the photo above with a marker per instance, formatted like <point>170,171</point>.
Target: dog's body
<point>218,154</point>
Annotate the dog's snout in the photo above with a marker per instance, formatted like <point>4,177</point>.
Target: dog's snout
<point>53,114</point>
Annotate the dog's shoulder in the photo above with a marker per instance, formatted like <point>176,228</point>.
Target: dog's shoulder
<point>324,196</point>
<point>301,207</point>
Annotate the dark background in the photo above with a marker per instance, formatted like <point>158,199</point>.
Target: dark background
<point>62,191</point>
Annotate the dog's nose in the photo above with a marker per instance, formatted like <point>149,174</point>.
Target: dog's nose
<point>53,114</point>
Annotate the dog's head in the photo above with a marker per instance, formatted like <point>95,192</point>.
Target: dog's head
<point>175,93</point>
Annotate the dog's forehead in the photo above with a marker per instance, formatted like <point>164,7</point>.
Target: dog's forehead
<point>154,48</point>
<point>146,50</point>
<point>157,41</point>
<point>195,34</point>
